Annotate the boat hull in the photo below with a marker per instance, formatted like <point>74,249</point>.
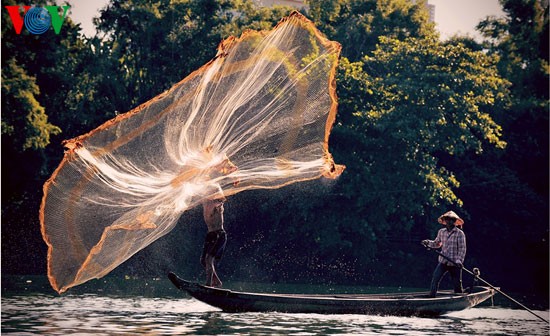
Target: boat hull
<point>400,304</point>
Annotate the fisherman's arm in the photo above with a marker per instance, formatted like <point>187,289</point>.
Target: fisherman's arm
<point>436,243</point>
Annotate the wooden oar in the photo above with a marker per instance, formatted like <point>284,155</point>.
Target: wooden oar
<point>476,275</point>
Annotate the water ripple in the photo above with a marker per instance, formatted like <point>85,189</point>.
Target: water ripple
<point>100,315</point>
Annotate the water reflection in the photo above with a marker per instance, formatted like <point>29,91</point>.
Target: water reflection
<point>101,315</point>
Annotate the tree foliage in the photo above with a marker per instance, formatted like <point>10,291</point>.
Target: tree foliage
<point>421,100</point>
<point>358,24</point>
<point>25,123</point>
<point>520,39</point>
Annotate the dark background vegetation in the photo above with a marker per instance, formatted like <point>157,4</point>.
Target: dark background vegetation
<point>424,126</point>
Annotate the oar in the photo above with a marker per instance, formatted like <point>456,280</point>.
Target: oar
<point>476,275</point>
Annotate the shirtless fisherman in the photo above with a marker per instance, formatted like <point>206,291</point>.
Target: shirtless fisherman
<point>216,238</point>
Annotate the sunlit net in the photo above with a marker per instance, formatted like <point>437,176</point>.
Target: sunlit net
<point>266,104</point>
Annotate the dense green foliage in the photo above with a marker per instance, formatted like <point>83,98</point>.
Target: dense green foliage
<point>423,126</point>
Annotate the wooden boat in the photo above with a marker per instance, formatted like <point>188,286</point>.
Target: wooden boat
<point>400,304</point>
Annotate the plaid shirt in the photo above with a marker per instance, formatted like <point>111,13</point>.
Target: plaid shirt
<point>452,243</point>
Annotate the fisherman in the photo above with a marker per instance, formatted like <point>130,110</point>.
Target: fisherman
<point>216,237</point>
<point>452,242</point>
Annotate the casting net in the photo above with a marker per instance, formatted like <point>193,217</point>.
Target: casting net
<point>265,105</point>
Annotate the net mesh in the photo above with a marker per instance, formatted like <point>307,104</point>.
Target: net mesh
<point>265,105</point>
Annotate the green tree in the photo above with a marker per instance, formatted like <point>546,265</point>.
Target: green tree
<point>520,39</point>
<point>153,44</point>
<point>36,75</point>
<point>358,24</point>
<point>247,15</point>
<point>24,121</point>
<point>510,188</point>
<point>50,61</point>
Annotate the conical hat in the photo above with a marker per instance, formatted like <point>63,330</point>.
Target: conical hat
<point>451,214</point>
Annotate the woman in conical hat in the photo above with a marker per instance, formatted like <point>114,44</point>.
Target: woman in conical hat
<point>452,242</point>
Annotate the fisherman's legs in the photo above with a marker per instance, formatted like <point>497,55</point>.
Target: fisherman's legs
<point>456,277</point>
<point>213,275</point>
<point>212,278</point>
<point>213,249</point>
<point>438,274</point>
<point>208,269</point>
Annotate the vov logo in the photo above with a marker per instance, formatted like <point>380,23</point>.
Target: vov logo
<point>37,20</point>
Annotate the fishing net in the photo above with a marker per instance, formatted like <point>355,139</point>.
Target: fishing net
<point>257,116</point>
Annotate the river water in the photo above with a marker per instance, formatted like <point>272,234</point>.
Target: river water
<point>32,313</point>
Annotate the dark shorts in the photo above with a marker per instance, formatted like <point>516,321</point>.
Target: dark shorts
<point>214,245</point>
